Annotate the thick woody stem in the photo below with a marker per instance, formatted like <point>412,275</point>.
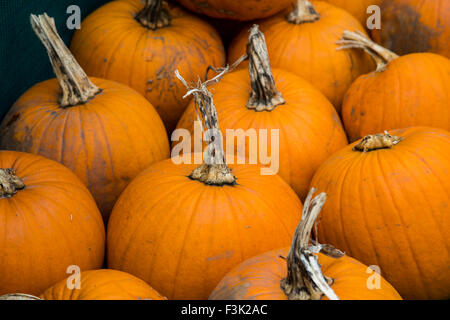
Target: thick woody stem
<point>18,296</point>
<point>264,95</point>
<point>305,280</point>
<point>75,85</point>
<point>304,12</point>
<point>377,141</point>
<point>154,15</point>
<point>9,183</point>
<point>357,40</point>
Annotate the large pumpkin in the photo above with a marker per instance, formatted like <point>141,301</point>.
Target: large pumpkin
<point>104,131</point>
<point>388,205</point>
<point>411,90</point>
<point>286,274</point>
<point>304,42</point>
<point>358,8</point>
<point>104,284</point>
<point>409,26</point>
<point>141,45</point>
<point>182,227</point>
<point>49,221</point>
<point>253,100</point>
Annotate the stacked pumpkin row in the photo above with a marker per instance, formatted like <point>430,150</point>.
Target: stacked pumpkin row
<point>181,228</point>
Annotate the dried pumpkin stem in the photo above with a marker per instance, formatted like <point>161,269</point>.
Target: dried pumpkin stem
<point>305,280</point>
<point>377,141</point>
<point>304,12</point>
<point>357,40</point>
<point>9,183</point>
<point>214,170</point>
<point>19,296</point>
<point>154,15</point>
<point>75,85</point>
<point>264,95</point>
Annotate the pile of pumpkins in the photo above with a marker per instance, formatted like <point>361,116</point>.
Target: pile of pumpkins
<point>86,177</point>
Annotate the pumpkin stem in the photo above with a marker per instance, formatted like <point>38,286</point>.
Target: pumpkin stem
<point>264,95</point>
<point>381,55</point>
<point>75,85</point>
<point>9,183</point>
<point>214,170</point>
<point>305,280</point>
<point>19,296</point>
<point>304,12</point>
<point>154,15</point>
<point>377,141</point>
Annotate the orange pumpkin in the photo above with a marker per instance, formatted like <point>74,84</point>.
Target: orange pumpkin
<point>270,276</point>
<point>236,10</point>
<point>304,42</point>
<point>357,8</point>
<point>104,284</point>
<point>409,26</point>
<point>388,205</point>
<point>141,45</point>
<point>49,221</point>
<point>252,100</point>
<point>182,227</point>
<point>410,90</point>
<point>104,131</point>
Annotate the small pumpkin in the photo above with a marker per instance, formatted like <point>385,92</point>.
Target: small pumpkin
<point>388,205</point>
<point>104,284</point>
<point>303,41</point>
<point>142,44</point>
<point>182,227</point>
<point>257,99</point>
<point>357,8</point>
<point>410,26</point>
<point>411,90</point>
<point>310,272</point>
<point>49,221</point>
<point>102,130</point>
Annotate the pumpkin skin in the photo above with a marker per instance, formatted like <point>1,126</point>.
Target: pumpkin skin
<point>357,8</point>
<point>236,10</point>
<point>259,278</point>
<point>310,129</point>
<point>398,98</point>
<point>394,206</point>
<point>309,50</point>
<point>49,225</point>
<point>106,141</point>
<point>104,284</point>
<point>168,229</point>
<point>410,26</point>
<point>112,45</point>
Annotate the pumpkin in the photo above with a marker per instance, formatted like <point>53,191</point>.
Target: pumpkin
<point>257,99</point>
<point>409,26</point>
<point>388,205</point>
<point>49,221</point>
<point>357,8</point>
<point>104,284</point>
<point>141,45</point>
<point>236,10</point>
<point>411,90</point>
<point>306,274</point>
<point>303,41</point>
<point>182,227</point>
<point>102,130</point>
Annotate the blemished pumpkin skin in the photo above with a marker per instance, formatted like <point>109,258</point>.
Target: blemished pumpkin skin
<point>103,284</point>
<point>236,10</point>
<point>410,26</point>
<point>182,236</point>
<point>259,278</point>
<point>309,49</point>
<point>49,225</point>
<point>112,44</point>
<point>390,207</point>
<point>357,8</point>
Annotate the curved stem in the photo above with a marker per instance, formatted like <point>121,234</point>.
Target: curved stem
<point>357,40</point>
<point>154,15</point>
<point>9,183</point>
<point>75,85</point>
<point>377,141</point>
<point>19,296</point>
<point>304,12</point>
<point>264,95</point>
